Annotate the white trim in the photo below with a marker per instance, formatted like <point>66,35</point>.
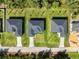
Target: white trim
<point>61,42</point>
<point>19,43</point>
<point>31,44</point>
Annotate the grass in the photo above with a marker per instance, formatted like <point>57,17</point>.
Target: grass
<point>69,55</point>
<point>74,55</point>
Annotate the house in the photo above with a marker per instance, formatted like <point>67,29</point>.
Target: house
<point>23,21</point>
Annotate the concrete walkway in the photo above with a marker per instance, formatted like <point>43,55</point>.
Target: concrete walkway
<point>38,49</point>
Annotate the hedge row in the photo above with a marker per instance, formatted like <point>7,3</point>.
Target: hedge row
<point>41,41</point>
<point>9,39</point>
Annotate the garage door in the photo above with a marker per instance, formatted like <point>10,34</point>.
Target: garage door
<point>59,24</point>
<point>36,25</point>
<point>16,24</point>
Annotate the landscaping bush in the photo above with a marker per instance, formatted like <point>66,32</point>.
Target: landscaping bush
<point>53,40</point>
<point>25,41</point>
<point>39,40</point>
<point>8,39</point>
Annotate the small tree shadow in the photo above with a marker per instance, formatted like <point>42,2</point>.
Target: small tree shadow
<point>61,55</point>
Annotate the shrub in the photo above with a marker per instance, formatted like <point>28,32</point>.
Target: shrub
<point>39,40</point>
<point>8,39</point>
<point>25,40</point>
<point>53,40</point>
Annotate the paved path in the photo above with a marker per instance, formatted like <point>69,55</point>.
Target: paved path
<point>25,50</point>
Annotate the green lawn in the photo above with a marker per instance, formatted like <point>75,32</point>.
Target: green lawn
<point>74,55</point>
